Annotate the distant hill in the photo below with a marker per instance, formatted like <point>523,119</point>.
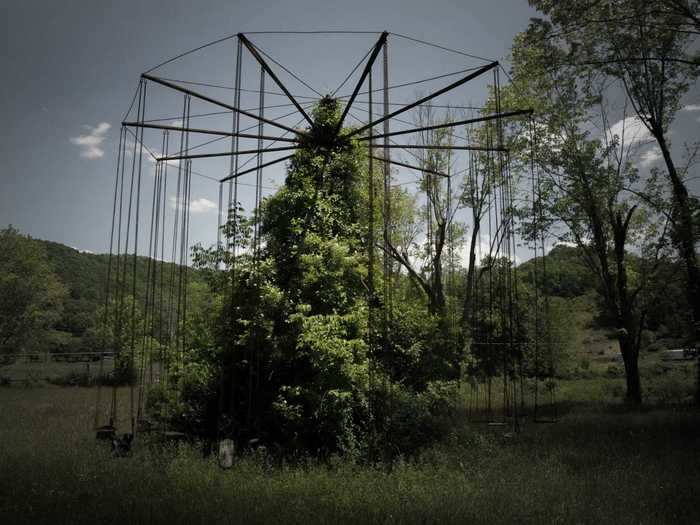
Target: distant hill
<point>84,275</point>
<point>566,273</point>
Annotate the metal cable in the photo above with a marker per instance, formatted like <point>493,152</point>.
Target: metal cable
<point>415,82</point>
<point>109,278</point>
<point>351,72</point>
<point>229,88</point>
<point>284,68</point>
<point>438,46</point>
<point>191,51</point>
<point>133,277</point>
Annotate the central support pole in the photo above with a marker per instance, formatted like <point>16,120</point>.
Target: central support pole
<point>258,225</point>
<point>381,43</point>
<point>371,302</point>
<point>387,312</point>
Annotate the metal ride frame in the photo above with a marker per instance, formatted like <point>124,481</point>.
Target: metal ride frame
<point>379,146</point>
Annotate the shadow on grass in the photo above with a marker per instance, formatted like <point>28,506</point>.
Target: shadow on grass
<point>599,464</point>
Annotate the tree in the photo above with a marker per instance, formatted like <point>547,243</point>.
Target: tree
<point>650,47</point>
<point>567,275</point>
<point>585,181</point>
<point>687,10</point>
<point>484,177</point>
<point>30,294</point>
<point>290,358</point>
<point>287,362</point>
<point>435,222</point>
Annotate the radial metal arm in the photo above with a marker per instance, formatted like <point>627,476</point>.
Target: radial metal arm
<point>207,131</point>
<point>219,103</point>
<point>249,45</point>
<point>425,99</point>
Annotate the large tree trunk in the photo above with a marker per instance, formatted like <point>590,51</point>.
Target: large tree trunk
<point>627,326</point>
<point>630,357</point>
<point>466,308</point>
<point>437,298</point>
<point>627,337</point>
<point>685,234</point>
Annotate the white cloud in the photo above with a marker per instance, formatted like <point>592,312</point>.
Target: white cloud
<point>90,144</point>
<point>81,251</point>
<point>200,205</point>
<point>649,157</point>
<point>483,249</point>
<point>631,129</point>
<point>692,107</point>
<point>172,163</point>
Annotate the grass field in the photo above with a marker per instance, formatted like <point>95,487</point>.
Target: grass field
<point>599,464</point>
<point>36,373</point>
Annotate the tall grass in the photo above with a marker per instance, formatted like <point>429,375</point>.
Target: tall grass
<point>606,466</point>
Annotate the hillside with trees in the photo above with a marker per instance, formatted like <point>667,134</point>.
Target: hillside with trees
<point>52,294</point>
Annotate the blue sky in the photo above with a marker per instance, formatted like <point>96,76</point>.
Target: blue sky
<point>71,68</point>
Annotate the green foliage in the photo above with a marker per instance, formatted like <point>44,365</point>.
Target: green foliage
<point>31,297</point>
<point>587,196</point>
<point>284,356</point>
<point>650,48</point>
<point>290,365</point>
<point>567,274</point>
<point>313,240</point>
<point>70,294</point>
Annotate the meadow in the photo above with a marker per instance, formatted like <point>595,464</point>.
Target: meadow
<point>601,463</point>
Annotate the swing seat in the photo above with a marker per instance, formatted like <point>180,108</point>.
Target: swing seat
<point>106,433</point>
<point>172,436</point>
